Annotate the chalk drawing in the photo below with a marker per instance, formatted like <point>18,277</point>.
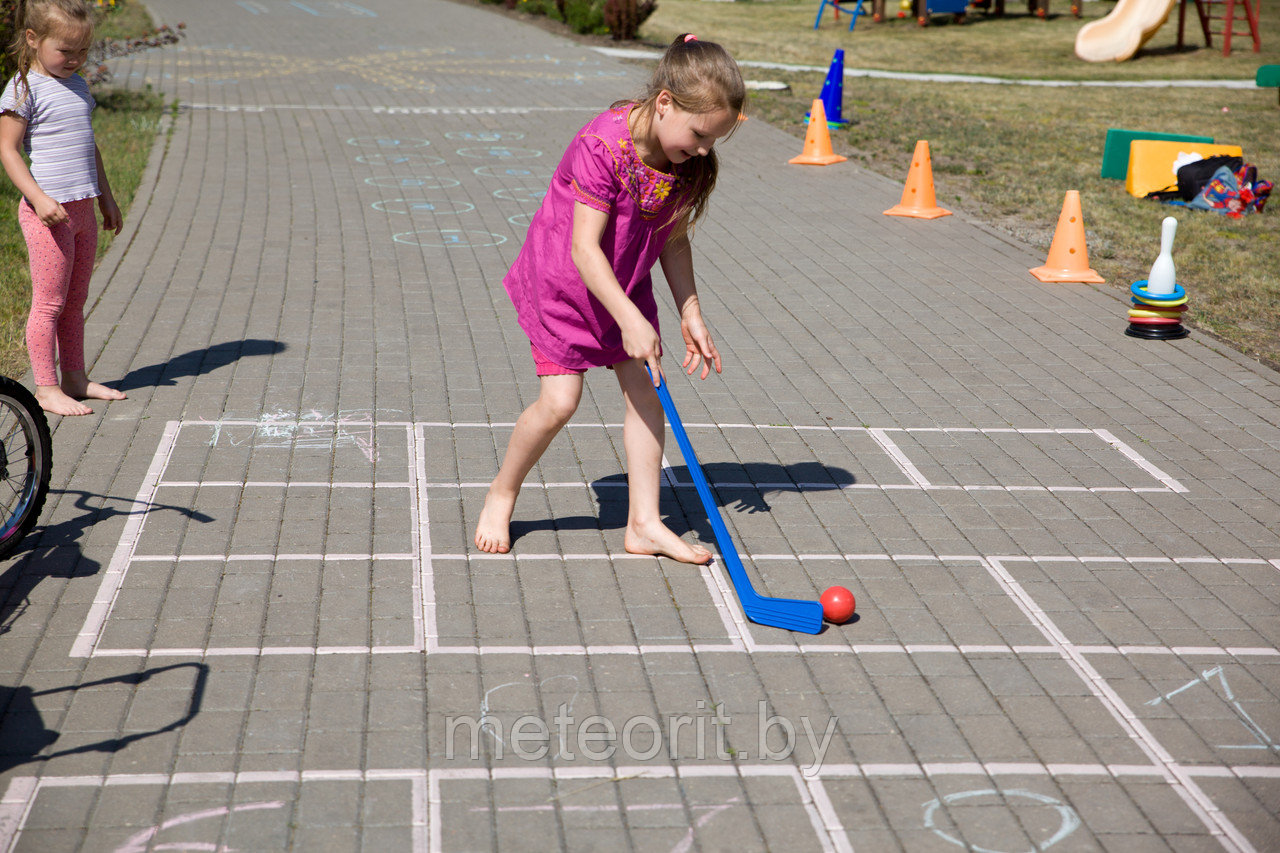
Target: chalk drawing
<point>311,430</point>
<point>400,160</point>
<point>514,171</point>
<point>387,142</point>
<point>141,842</point>
<point>357,10</point>
<point>486,717</point>
<point>521,194</point>
<point>485,135</point>
<point>427,206</point>
<point>500,152</point>
<point>1069,821</point>
<point>450,238</point>
<point>417,182</point>
<point>1260,736</point>
<point>521,220</point>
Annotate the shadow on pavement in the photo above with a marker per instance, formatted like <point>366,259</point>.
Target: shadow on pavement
<point>196,362</point>
<point>741,488</point>
<point>23,734</point>
<point>54,551</point>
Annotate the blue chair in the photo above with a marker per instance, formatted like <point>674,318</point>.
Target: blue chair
<point>838,5</point>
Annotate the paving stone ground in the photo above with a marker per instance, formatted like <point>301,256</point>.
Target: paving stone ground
<point>252,618</point>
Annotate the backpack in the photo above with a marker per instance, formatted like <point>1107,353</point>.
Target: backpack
<point>1233,193</point>
<point>1193,177</point>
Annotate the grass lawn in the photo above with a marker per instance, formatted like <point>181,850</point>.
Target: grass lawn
<point>124,126</point>
<point>1007,154</point>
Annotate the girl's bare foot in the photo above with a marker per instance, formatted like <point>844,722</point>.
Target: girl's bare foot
<point>658,540</point>
<point>87,390</point>
<point>55,401</point>
<point>493,531</point>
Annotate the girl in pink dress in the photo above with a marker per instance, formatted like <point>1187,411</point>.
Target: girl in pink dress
<point>625,195</point>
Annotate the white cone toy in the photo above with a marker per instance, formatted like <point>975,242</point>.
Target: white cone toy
<point>1163,278</point>
<point>1158,300</point>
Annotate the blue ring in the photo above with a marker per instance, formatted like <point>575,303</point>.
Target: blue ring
<point>1139,289</point>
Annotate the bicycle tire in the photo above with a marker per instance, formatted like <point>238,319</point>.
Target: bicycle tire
<point>26,462</point>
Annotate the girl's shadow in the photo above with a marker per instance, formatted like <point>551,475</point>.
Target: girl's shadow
<point>740,488</point>
<point>196,362</point>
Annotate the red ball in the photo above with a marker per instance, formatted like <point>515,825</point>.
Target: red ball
<point>837,605</point>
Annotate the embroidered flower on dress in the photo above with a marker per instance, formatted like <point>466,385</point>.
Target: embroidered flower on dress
<point>648,187</point>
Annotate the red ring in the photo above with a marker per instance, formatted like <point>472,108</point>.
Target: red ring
<point>1155,321</point>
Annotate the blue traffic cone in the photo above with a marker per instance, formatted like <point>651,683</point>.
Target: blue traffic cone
<point>833,92</point>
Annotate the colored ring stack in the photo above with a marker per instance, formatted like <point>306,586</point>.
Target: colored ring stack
<point>1156,316</point>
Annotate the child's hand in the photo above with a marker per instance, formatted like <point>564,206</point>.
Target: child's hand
<point>698,345</point>
<point>51,213</point>
<point>641,340</point>
<point>112,220</point>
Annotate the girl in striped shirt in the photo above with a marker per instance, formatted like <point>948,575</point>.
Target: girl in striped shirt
<point>44,112</point>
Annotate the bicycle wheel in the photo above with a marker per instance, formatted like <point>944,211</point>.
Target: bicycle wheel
<point>26,461</point>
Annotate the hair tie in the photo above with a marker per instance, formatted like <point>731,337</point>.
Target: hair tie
<point>690,37</point>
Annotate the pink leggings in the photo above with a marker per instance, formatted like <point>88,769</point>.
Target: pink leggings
<point>61,264</point>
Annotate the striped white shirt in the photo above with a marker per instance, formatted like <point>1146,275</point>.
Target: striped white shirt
<point>59,137</point>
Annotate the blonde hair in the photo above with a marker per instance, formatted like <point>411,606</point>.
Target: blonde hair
<point>45,18</point>
<point>701,78</point>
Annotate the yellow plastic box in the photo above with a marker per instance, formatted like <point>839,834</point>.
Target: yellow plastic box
<point>1154,163</point>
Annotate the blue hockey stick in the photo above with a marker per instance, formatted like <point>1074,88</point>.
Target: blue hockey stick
<point>789,613</point>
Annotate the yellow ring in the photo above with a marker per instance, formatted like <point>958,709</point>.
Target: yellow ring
<point>1140,312</point>
<point>1160,303</point>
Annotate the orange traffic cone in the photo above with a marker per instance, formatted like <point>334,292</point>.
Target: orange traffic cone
<point>817,140</point>
<point>918,200</point>
<point>1068,258</point>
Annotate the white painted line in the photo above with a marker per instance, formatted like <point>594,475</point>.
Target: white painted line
<point>276,484</point>
<point>633,53</point>
<point>1200,804</point>
<point>257,651</point>
<point>827,487</point>
<point>830,825</point>
<point>1133,456</point>
<point>273,421</point>
<point>18,799</point>
<point>879,434</point>
<point>380,109</point>
<point>21,794</point>
<point>733,619</point>
<point>426,818</point>
<point>736,644</point>
<point>826,824</point>
<point>423,569</point>
<point>255,558</point>
<point>113,577</point>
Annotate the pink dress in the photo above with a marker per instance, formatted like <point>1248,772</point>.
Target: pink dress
<point>600,169</point>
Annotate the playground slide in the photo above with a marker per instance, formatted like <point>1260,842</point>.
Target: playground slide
<point>1119,35</point>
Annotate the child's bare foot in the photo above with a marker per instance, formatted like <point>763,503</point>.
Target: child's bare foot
<point>55,401</point>
<point>86,390</point>
<point>493,531</point>
<point>658,540</point>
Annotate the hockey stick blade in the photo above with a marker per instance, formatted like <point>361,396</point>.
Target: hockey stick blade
<point>788,613</point>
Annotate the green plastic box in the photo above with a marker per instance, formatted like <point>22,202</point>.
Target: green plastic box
<point>1115,153</point>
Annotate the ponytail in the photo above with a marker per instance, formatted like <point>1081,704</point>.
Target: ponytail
<point>701,78</point>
